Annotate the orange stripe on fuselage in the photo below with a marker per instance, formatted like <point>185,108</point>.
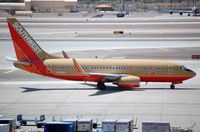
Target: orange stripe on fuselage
<point>79,77</point>
<point>31,69</point>
<point>175,79</point>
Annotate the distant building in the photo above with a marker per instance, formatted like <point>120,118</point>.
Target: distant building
<point>42,6</point>
<point>12,1</point>
<point>103,7</point>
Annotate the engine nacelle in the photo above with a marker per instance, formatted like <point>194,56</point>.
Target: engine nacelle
<point>129,82</point>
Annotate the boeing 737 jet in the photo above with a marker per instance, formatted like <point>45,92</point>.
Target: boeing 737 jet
<point>125,73</point>
<point>194,11</point>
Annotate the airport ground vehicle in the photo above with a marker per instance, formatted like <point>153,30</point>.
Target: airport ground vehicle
<point>23,121</point>
<point>194,11</point>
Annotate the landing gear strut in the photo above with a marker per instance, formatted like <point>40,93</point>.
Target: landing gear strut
<point>101,86</point>
<point>172,86</point>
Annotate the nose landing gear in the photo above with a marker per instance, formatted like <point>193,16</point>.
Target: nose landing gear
<point>172,86</point>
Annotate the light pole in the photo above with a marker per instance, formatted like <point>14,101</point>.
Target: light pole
<point>171,4</point>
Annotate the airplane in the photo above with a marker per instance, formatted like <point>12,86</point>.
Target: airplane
<point>194,10</point>
<point>125,73</point>
<point>10,11</point>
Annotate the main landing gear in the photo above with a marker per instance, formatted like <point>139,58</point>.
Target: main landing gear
<point>101,86</point>
<point>172,86</point>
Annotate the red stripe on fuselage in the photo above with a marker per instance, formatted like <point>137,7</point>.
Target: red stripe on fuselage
<point>163,78</point>
<point>174,79</point>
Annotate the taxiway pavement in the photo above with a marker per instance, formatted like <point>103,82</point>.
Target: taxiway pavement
<point>32,95</point>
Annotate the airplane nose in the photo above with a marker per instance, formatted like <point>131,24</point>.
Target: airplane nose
<point>193,74</point>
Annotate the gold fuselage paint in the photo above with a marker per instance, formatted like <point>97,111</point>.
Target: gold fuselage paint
<point>116,66</point>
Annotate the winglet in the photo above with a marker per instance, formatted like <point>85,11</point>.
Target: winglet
<point>65,55</point>
<point>78,67</point>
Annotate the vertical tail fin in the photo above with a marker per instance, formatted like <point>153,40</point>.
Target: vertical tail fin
<point>26,48</point>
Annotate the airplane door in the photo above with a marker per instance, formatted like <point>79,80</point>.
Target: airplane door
<point>48,68</point>
<point>170,69</point>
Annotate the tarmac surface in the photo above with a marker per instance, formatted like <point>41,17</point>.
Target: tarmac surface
<point>32,95</point>
<point>46,29</point>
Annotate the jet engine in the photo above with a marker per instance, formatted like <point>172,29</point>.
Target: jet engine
<point>128,82</point>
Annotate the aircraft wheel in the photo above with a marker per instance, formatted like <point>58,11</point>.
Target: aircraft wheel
<point>39,125</point>
<point>101,86</point>
<point>172,86</point>
<point>24,123</point>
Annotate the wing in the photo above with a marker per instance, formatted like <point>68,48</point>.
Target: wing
<point>65,55</point>
<point>109,77</point>
<point>122,80</point>
<point>106,76</point>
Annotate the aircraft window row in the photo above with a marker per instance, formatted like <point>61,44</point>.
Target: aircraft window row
<point>111,68</point>
<point>92,68</point>
<point>65,67</point>
<point>151,68</point>
<point>48,67</point>
<point>105,68</point>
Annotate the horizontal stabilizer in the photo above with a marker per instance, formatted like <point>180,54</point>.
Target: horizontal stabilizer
<point>8,58</point>
<point>23,63</point>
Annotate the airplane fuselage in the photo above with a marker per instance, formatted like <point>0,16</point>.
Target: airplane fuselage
<point>147,70</point>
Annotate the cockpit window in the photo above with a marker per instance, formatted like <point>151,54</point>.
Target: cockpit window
<point>184,68</point>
